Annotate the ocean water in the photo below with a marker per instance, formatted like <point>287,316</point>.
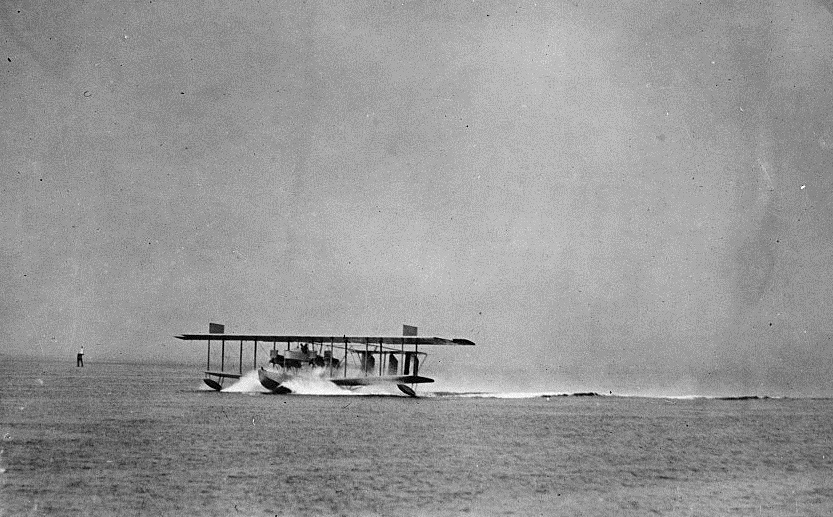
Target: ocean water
<point>120,439</point>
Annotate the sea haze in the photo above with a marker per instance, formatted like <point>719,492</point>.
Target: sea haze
<point>118,439</point>
<point>635,195</point>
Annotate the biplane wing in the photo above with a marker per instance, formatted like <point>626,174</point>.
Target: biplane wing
<point>401,382</point>
<point>372,340</point>
<point>224,374</point>
<point>380,379</point>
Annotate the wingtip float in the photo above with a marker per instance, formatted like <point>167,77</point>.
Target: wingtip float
<point>377,360</point>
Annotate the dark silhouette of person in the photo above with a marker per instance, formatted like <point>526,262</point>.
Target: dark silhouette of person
<point>80,359</point>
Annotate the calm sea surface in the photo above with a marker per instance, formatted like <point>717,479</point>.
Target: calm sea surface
<point>115,439</point>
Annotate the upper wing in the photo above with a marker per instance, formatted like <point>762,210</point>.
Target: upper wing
<point>370,340</point>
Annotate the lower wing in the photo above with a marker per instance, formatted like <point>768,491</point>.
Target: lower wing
<point>381,379</point>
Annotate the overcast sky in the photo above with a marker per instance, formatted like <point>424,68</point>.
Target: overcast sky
<point>633,197</point>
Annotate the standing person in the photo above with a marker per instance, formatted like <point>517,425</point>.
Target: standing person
<point>80,359</point>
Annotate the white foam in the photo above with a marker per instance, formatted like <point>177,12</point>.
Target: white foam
<point>511,395</point>
<point>308,382</point>
<point>313,382</point>
<point>515,394</point>
<point>248,383</point>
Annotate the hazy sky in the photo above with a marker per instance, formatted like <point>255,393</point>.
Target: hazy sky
<point>633,197</point>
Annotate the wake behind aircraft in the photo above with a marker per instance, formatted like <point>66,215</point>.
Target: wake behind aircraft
<point>376,360</point>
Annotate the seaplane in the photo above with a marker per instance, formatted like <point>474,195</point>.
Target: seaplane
<point>376,360</point>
